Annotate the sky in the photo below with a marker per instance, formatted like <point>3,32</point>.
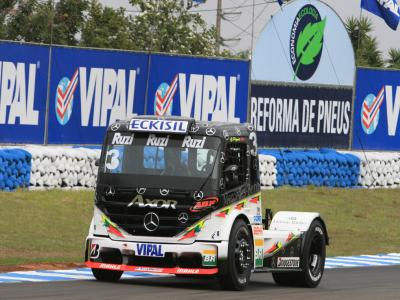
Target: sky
<point>237,23</point>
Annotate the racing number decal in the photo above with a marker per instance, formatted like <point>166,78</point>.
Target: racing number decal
<point>112,159</point>
<point>253,138</point>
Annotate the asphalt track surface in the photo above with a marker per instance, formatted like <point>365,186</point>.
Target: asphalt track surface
<point>349,283</point>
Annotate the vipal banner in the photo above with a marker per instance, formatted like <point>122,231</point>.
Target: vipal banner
<point>304,42</point>
<point>23,85</point>
<point>301,116</point>
<point>90,89</point>
<point>377,109</point>
<point>203,88</point>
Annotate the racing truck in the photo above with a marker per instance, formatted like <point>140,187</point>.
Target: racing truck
<point>180,196</point>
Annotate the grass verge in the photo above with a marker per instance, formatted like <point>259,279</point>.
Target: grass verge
<point>51,226</point>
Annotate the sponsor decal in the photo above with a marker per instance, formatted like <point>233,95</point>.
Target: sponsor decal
<point>120,139</point>
<point>209,258</point>
<point>149,269</point>
<point>370,111</point>
<point>17,93</point>
<point>142,202</point>
<point>236,139</point>
<point>164,97</point>
<point>204,204</point>
<point>189,142</point>
<point>152,250</point>
<point>204,97</point>
<point>94,250</point>
<point>153,140</point>
<point>65,98</point>
<point>306,42</point>
<point>111,227</point>
<point>257,219</point>
<point>187,271</point>
<point>258,230</point>
<point>110,266</point>
<point>258,252</point>
<point>158,126</point>
<point>288,262</point>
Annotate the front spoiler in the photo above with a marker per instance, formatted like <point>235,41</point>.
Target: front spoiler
<point>176,270</point>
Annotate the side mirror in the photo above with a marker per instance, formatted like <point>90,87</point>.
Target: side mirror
<point>97,162</point>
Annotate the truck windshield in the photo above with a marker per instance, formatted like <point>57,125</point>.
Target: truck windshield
<point>160,155</point>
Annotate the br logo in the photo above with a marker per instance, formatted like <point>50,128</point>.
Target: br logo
<point>65,98</point>
<point>306,42</point>
<point>164,97</point>
<point>370,111</point>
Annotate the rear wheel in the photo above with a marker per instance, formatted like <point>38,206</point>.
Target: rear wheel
<point>107,275</point>
<point>313,260</point>
<point>236,270</point>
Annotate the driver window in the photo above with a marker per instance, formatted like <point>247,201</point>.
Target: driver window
<point>235,165</point>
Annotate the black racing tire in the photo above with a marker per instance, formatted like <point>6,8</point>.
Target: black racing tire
<point>107,275</point>
<point>234,272</point>
<point>313,260</point>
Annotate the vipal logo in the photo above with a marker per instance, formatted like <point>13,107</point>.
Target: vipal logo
<point>204,97</point>
<point>104,95</point>
<point>370,111</point>
<point>164,97</point>
<point>65,98</point>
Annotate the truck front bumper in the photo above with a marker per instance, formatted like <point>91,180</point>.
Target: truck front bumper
<point>199,258</point>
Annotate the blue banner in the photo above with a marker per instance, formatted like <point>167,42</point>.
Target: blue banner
<point>377,107</point>
<point>388,10</point>
<point>90,89</point>
<point>203,88</point>
<point>23,86</point>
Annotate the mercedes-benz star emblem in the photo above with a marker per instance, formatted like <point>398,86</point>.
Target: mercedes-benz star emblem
<point>110,191</point>
<point>115,126</point>
<point>151,221</point>
<point>194,128</point>
<point>164,192</point>
<point>183,217</point>
<point>198,195</point>
<point>210,131</point>
<point>141,190</point>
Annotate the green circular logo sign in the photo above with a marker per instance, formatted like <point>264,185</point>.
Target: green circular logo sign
<point>306,42</point>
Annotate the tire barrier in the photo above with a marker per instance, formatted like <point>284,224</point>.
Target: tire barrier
<point>15,169</point>
<point>67,167</point>
<point>323,167</point>
<point>379,169</point>
<point>55,167</point>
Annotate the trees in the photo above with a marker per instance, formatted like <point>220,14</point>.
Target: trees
<point>168,26</point>
<point>163,26</point>
<point>365,46</point>
<point>394,58</point>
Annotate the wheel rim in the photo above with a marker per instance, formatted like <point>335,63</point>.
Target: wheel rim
<point>242,253</point>
<point>315,259</point>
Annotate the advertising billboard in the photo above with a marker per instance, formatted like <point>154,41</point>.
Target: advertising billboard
<point>90,89</point>
<point>203,88</point>
<point>23,86</point>
<point>301,116</point>
<point>377,108</point>
<point>304,42</point>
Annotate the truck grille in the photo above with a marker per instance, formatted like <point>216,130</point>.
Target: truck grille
<point>131,217</point>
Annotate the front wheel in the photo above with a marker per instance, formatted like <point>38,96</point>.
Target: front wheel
<point>313,260</point>
<point>235,271</point>
<point>107,275</point>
